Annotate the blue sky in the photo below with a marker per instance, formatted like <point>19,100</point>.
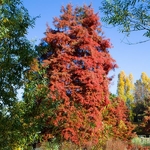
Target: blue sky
<point>133,59</point>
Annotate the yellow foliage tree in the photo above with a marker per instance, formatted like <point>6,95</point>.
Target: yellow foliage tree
<point>125,87</point>
<point>121,85</point>
<point>125,90</point>
<point>146,81</point>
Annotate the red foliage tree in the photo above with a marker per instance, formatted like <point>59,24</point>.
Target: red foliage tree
<point>116,119</point>
<point>78,62</point>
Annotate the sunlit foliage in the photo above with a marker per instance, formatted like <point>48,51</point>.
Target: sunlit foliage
<point>78,62</point>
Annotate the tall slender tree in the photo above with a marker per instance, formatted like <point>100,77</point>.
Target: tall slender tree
<point>78,63</point>
<point>125,90</point>
<point>125,86</point>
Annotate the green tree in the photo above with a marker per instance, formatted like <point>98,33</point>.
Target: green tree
<point>141,116</point>
<point>16,55</point>
<point>38,105</point>
<point>128,15</point>
<point>141,96</point>
<point>16,52</point>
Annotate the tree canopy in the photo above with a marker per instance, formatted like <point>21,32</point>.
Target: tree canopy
<point>125,86</point>
<point>16,55</point>
<point>78,62</point>
<point>16,51</point>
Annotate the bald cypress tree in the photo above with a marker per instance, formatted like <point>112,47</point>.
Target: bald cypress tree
<point>78,62</point>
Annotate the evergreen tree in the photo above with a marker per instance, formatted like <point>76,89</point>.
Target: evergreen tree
<point>78,62</point>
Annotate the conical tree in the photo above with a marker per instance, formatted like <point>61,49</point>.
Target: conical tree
<point>78,62</point>
<point>145,81</point>
<point>121,85</point>
<point>125,87</point>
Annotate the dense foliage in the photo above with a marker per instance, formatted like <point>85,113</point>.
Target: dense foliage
<point>16,52</point>
<point>138,103</point>
<point>142,104</point>
<point>116,120</point>
<point>65,80</point>
<point>78,62</point>
<point>125,87</point>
